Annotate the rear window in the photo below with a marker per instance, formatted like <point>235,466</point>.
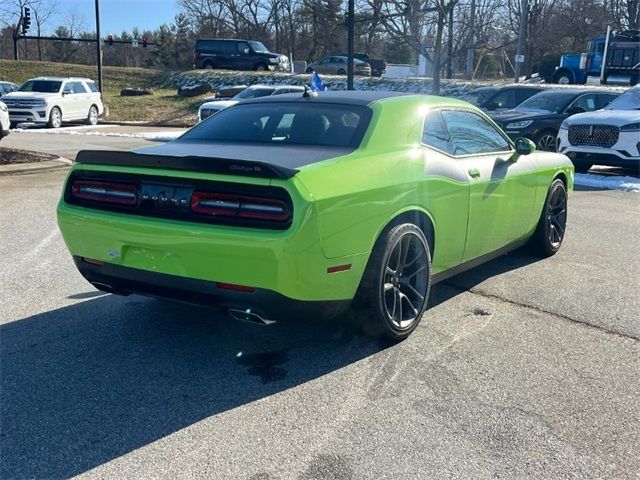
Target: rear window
<point>285,124</point>
<point>92,87</point>
<point>42,86</point>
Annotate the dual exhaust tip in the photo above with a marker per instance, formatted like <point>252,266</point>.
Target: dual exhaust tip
<point>243,315</point>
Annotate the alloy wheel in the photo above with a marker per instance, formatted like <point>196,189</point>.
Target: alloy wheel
<point>405,284</point>
<point>547,142</point>
<point>564,80</point>
<point>56,118</point>
<point>93,116</point>
<point>556,217</point>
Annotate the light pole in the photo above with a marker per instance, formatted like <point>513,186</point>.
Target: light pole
<point>524,14</point>
<point>98,45</point>
<point>350,42</point>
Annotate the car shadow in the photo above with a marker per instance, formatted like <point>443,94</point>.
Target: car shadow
<point>87,383</point>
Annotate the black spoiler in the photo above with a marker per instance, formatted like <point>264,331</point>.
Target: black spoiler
<point>225,166</point>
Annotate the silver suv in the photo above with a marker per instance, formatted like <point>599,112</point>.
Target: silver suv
<point>53,100</point>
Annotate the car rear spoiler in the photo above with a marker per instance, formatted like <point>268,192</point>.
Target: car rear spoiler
<point>224,166</point>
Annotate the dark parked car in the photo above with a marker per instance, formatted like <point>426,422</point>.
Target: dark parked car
<point>498,99</point>
<point>336,65</point>
<point>539,118</point>
<point>7,87</point>
<point>238,55</point>
<point>378,66</point>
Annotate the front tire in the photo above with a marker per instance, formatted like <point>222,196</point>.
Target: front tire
<point>261,67</point>
<point>549,234</point>
<point>394,290</point>
<point>563,77</point>
<point>341,72</point>
<point>546,141</point>
<point>55,118</point>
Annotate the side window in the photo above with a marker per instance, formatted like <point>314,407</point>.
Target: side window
<point>504,99</point>
<point>588,102</point>
<point>604,99</point>
<point>324,61</point>
<point>76,87</point>
<point>523,93</point>
<point>243,48</point>
<point>435,133</point>
<point>2,90</point>
<point>92,87</point>
<point>472,134</point>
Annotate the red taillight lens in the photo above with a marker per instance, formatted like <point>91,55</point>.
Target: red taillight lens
<point>106,192</point>
<point>231,205</point>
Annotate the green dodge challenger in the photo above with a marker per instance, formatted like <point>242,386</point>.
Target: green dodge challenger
<point>355,201</point>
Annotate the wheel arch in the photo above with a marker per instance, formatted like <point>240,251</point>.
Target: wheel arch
<point>419,217</point>
<point>564,70</point>
<point>562,176</point>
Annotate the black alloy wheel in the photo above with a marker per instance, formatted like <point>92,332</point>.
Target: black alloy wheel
<point>552,225</point>
<point>394,290</point>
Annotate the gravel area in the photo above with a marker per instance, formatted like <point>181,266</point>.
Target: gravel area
<point>10,156</point>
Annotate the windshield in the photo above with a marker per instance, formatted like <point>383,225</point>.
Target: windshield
<point>629,100</point>
<point>42,86</point>
<point>479,98</point>
<point>259,47</point>
<point>547,102</point>
<point>254,93</point>
<point>285,124</point>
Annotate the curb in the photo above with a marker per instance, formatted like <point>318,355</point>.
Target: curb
<point>35,167</point>
<point>126,123</point>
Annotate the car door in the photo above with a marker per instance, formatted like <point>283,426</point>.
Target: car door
<point>66,101</point>
<point>502,187</point>
<point>82,98</point>
<point>243,59</point>
<point>446,190</point>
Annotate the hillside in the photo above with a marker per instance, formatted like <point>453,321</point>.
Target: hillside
<point>162,107</point>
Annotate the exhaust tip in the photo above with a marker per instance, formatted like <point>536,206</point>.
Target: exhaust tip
<point>249,316</point>
<point>105,287</point>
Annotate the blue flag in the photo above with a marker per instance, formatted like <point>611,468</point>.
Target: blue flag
<point>316,83</point>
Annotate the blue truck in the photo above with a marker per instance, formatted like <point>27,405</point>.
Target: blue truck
<point>621,55</point>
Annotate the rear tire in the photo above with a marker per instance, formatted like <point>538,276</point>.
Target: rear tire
<point>92,116</point>
<point>208,66</point>
<point>549,234</point>
<point>341,72</point>
<point>55,118</point>
<point>394,290</point>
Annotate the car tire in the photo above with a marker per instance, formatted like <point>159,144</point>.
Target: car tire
<point>546,141</point>
<point>309,70</point>
<point>341,72</point>
<point>563,77</point>
<point>92,116</point>
<point>208,65</point>
<point>386,304</point>
<point>55,118</point>
<point>261,67</point>
<point>549,234</point>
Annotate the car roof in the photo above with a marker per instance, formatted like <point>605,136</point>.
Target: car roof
<point>62,79</point>
<point>504,87</point>
<point>355,97</point>
<point>576,91</point>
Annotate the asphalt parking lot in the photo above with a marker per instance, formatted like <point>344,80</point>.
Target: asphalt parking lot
<point>520,368</point>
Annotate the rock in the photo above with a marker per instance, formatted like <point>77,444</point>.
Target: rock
<point>135,92</point>
<point>194,90</point>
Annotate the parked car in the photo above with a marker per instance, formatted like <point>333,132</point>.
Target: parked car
<point>605,137</point>
<point>378,66</point>
<point>238,55</point>
<point>53,100</point>
<point>499,99</point>
<point>337,65</point>
<point>7,87</point>
<point>4,120</point>
<point>255,91</point>
<point>539,117</point>
<point>279,206</point>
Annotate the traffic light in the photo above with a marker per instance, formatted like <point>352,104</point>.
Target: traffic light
<point>26,20</point>
<point>145,40</point>
<point>110,40</point>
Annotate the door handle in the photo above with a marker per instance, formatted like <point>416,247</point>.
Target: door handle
<point>474,173</point>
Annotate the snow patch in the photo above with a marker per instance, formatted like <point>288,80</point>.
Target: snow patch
<point>628,184</point>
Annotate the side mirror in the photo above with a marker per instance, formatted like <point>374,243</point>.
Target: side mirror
<point>524,146</point>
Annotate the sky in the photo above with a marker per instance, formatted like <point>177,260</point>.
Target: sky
<point>116,15</point>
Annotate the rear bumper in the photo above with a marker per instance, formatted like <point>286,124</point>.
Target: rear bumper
<point>263,302</point>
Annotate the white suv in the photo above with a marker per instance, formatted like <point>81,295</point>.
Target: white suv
<point>4,121</point>
<point>53,100</point>
<point>610,136</point>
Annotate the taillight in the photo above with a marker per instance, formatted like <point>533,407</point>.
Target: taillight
<point>106,192</point>
<point>239,206</point>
